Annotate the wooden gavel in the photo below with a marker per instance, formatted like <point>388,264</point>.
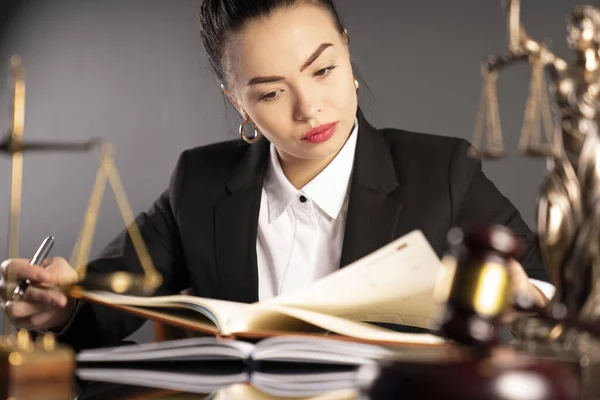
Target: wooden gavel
<point>479,297</point>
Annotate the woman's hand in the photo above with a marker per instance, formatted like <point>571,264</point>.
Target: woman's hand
<point>39,309</point>
<point>521,286</point>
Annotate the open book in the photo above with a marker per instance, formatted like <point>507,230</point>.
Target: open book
<point>281,349</point>
<point>281,366</point>
<point>284,366</point>
<point>394,284</point>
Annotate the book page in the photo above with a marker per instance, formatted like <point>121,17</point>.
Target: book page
<point>283,318</point>
<point>189,349</point>
<point>394,284</point>
<point>324,350</point>
<point>216,311</point>
<point>321,350</point>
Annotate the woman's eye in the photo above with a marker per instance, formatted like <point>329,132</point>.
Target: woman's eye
<point>325,71</point>
<point>269,96</point>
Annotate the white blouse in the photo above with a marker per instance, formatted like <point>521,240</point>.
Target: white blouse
<point>300,232</point>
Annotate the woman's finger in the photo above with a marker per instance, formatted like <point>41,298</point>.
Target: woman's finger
<point>39,321</point>
<point>20,309</point>
<point>519,278</point>
<point>21,269</point>
<point>522,286</point>
<point>61,273</point>
<point>44,320</point>
<point>45,296</point>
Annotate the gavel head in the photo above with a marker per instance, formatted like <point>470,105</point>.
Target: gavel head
<point>480,290</point>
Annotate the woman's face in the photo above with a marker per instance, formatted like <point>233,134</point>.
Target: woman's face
<point>291,74</point>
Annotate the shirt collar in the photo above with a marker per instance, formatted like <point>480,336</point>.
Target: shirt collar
<point>328,190</point>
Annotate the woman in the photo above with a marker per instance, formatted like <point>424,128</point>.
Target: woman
<point>314,188</point>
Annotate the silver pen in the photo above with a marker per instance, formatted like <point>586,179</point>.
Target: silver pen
<point>38,257</point>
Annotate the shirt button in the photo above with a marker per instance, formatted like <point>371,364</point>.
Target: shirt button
<point>302,199</point>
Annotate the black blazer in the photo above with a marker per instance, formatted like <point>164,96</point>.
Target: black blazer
<point>201,232</point>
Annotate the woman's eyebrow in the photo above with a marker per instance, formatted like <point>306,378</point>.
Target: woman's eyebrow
<point>268,79</point>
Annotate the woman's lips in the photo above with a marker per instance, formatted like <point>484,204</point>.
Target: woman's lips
<point>321,133</point>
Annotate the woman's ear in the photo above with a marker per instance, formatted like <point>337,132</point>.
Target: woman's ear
<point>234,103</point>
<point>346,37</point>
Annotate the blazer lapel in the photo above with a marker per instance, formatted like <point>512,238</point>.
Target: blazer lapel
<point>236,226</point>
<point>372,213</point>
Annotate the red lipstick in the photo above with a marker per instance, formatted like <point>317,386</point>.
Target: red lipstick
<point>321,133</point>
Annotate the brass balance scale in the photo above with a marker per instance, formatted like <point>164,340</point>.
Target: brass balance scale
<point>28,367</point>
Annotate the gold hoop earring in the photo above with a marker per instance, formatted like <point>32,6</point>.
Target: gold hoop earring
<point>356,84</point>
<point>242,132</point>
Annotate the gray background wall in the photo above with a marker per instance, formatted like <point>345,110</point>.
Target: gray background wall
<point>134,73</point>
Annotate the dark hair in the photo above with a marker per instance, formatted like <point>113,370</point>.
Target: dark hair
<point>220,18</point>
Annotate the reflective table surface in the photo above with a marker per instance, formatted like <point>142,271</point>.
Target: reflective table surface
<point>100,390</point>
